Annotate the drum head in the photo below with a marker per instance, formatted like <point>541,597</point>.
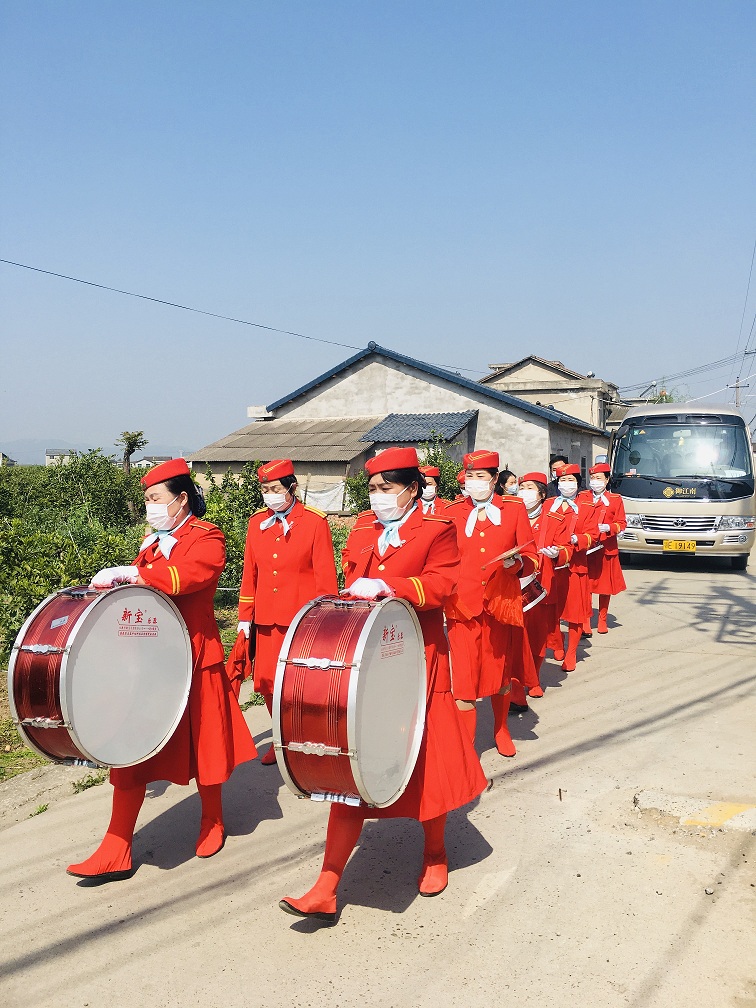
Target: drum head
<point>387,702</point>
<point>126,680</point>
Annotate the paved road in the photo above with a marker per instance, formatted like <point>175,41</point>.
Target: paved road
<point>583,901</point>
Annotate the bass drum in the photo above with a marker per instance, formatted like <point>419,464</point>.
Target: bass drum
<point>349,701</point>
<point>100,677</point>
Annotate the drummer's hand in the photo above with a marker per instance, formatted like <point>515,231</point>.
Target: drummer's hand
<point>511,561</point>
<point>367,588</point>
<point>573,539</point>
<point>550,551</point>
<point>244,628</point>
<point>605,528</point>
<point>110,576</point>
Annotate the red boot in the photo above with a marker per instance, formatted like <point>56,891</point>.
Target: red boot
<point>556,642</point>
<point>603,613</point>
<point>504,744</point>
<point>434,877</point>
<point>519,702</point>
<point>269,758</point>
<point>344,827</point>
<point>111,862</point>
<point>212,831</point>
<point>574,634</point>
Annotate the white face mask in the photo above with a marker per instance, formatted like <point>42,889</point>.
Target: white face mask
<point>529,498</point>
<point>385,506</point>
<point>276,501</point>
<point>567,489</point>
<point>478,489</point>
<point>158,517</point>
<point>429,492</point>
<point>514,489</point>
<point>597,485</point>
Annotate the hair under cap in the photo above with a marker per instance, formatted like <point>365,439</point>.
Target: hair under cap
<point>165,471</point>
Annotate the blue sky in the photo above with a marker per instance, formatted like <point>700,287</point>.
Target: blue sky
<point>464,182</point>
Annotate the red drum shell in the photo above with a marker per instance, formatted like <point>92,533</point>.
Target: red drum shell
<point>320,707</point>
<point>532,592</point>
<point>42,683</point>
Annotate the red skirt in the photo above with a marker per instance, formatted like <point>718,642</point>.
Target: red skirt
<point>482,651</point>
<point>540,621</point>
<point>577,605</point>
<point>524,667</point>
<point>605,574</point>
<point>211,739</point>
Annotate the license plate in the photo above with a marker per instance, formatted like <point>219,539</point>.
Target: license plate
<point>679,545</point>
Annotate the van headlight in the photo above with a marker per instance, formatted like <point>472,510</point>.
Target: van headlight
<point>635,521</point>
<point>736,522</point>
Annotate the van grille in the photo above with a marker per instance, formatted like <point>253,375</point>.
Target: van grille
<point>660,523</point>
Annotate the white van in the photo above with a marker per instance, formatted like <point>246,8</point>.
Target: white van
<point>685,473</point>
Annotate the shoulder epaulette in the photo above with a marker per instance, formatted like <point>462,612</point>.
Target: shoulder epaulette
<point>321,514</point>
<point>259,511</point>
<point>364,514</point>
<point>439,518</point>
<point>512,499</point>
<point>202,525</point>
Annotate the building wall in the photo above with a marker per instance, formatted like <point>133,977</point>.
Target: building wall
<point>522,440</point>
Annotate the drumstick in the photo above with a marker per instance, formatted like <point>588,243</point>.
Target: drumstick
<point>515,551</point>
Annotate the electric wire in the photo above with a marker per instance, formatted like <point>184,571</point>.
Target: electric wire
<point>200,311</point>
<point>745,305</point>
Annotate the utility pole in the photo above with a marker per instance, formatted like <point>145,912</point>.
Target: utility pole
<point>738,384</point>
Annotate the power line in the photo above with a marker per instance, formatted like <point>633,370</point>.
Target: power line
<point>745,305</point>
<point>714,365</point>
<point>200,311</point>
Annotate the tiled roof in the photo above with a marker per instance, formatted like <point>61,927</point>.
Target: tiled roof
<point>418,427</point>
<point>331,439</point>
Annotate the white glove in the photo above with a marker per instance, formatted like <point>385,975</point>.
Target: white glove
<point>511,561</point>
<point>550,551</point>
<point>368,588</point>
<point>573,540</point>
<point>243,628</point>
<point>110,576</point>
<point>605,528</point>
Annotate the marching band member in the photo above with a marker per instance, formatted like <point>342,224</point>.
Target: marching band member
<point>395,550</point>
<point>484,617</point>
<point>578,529</point>
<point>431,502</point>
<point>605,576</point>
<point>542,619</point>
<point>184,558</point>
<point>288,561</point>
<point>507,483</point>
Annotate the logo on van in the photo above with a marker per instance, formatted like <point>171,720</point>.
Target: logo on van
<point>668,492</point>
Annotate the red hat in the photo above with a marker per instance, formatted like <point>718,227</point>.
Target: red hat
<point>481,460</point>
<point>165,471</point>
<point>392,458</point>
<point>557,466</point>
<point>461,478</point>
<point>433,471</point>
<point>569,470</point>
<point>275,469</point>
<point>536,477</point>
<point>600,467</point>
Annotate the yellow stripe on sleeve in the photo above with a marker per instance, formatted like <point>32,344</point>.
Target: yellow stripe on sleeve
<point>419,589</point>
<point>176,583</point>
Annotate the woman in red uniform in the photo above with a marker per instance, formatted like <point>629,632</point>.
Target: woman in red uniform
<point>542,618</point>
<point>395,550</point>
<point>288,561</point>
<point>432,504</point>
<point>578,529</point>
<point>183,558</point>
<point>605,576</point>
<point>484,617</point>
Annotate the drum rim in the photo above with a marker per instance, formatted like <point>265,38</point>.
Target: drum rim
<point>352,703</point>
<point>63,672</point>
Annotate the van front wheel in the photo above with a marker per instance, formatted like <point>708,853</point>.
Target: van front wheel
<point>740,562</point>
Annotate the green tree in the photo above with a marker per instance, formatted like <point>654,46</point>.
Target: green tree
<point>435,453</point>
<point>130,441</point>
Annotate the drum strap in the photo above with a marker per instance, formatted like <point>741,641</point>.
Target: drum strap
<point>571,523</point>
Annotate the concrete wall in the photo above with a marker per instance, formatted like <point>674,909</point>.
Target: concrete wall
<point>379,386</point>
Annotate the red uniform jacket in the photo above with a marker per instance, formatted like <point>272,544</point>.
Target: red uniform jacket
<point>283,572</point>
<point>190,577</point>
<point>557,527</point>
<point>613,515</point>
<point>488,541</point>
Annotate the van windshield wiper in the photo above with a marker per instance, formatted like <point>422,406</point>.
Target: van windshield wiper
<point>718,479</point>
<point>657,479</point>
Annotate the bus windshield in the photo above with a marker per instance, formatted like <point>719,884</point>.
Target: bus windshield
<point>698,461</point>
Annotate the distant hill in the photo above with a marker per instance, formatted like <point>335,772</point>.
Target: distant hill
<point>31,451</point>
